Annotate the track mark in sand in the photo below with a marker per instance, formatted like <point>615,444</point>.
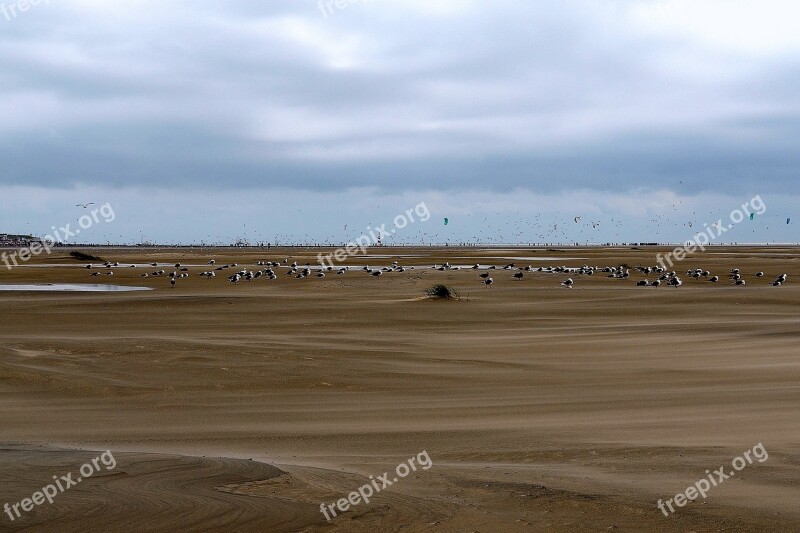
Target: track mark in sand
<point>317,485</point>
<point>170,493</point>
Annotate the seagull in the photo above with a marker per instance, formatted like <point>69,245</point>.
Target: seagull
<point>488,281</point>
<point>568,283</point>
<point>85,206</point>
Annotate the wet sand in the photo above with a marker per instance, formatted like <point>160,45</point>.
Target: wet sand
<point>244,407</point>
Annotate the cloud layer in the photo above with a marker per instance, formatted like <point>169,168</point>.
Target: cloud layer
<point>550,97</point>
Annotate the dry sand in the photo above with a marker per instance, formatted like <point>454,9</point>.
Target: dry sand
<point>243,407</point>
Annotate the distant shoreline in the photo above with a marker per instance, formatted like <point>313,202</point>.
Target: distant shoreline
<point>416,245</point>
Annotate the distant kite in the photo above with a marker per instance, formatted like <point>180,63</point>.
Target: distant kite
<point>752,216</point>
<point>577,219</point>
<point>446,221</point>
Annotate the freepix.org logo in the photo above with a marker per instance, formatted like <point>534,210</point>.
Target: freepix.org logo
<point>15,9</point>
<point>59,235</point>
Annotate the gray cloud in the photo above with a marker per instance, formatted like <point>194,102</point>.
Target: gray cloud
<point>547,96</point>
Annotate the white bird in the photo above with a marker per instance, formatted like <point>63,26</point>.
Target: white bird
<point>488,281</point>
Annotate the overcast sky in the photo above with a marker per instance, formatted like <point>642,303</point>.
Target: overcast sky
<point>287,120</point>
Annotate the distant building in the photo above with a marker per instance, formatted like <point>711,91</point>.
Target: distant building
<point>19,241</point>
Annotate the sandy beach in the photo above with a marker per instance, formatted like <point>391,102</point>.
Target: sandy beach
<point>246,406</point>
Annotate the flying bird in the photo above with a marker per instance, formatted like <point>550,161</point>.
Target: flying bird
<point>84,205</point>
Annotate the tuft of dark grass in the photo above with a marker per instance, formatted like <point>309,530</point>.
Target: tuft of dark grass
<point>82,256</point>
<point>442,292</point>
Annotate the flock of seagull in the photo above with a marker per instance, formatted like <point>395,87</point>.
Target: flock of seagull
<point>267,269</point>
<point>670,278</point>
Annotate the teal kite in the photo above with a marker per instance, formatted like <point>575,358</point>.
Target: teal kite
<point>446,221</point>
<point>752,216</point>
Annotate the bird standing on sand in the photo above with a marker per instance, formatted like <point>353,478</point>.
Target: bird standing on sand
<point>488,282</point>
<point>172,282</point>
<point>568,283</point>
